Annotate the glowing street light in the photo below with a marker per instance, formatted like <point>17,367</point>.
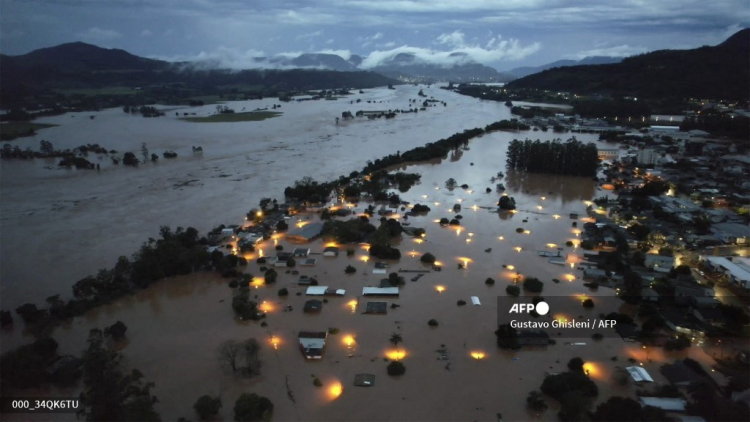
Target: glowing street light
<point>440,289</point>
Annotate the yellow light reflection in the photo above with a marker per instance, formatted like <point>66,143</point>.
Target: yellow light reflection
<point>527,231</point>
<point>418,241</point>
<point>395,354</point>
<point>538,207</point>
<point>336,390</point>
<point>458,231</point>
<point>257,282</point>
<point>440,289</point>
<point>468,240</point>
<point>556,216</point>
<point>551,245</point>
<point>353,305</point>
<point>518,249</point>
<point>572,264</point>
<point>511,267</point>
<point>275,342</point>
<point>365,259</point>
<point>332,245</point>
<point>349,340</point>
<point>471,234</point>
<point>302,223</point>
<point>501,237</point>
<point>478,355</point>
<point>260,253</point>
<point>475,207</point>
<point>266,306</point>
<point>544,198</point>
<point>438,264</point>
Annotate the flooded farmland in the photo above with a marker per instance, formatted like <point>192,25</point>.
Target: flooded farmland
<point>60,225</point>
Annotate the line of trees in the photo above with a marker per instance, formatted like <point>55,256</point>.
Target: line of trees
<point>572,157</point>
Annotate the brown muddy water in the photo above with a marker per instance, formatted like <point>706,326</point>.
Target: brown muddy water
<point>175,327</point>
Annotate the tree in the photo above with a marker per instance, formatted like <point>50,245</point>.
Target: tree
<point>395,279</point>
<point>46,147</point>
<point>207,406</point>
<point>250,351</point>
<point>270,276</point>
<point>396,339</point>
<point>129,159</point>
<point>350,270</point>
<point>513,290</point>
<point>144,152</point>
<point>533,285</point>
<point>229,354</point>
<point>575,365</point>
<point>110,394</point>
<point>252,407</point>
<point>588,303</point>
<point>396,368</point>
<point>507,203</point>
<point>428,258</point>
<point>116,330</point>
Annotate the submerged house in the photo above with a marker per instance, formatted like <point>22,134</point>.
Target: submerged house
<point>312,343</point>
<point>306,233</point>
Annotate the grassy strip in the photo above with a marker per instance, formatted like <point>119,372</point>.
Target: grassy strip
<point>253,116</point>
<point>12,130</point>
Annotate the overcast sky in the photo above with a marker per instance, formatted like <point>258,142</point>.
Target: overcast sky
<point>500,33</point>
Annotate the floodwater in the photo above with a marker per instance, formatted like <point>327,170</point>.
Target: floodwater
<point>58,226</point>
<point>176,326</point>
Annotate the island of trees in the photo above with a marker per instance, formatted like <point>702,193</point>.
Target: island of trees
<point>571,158</point>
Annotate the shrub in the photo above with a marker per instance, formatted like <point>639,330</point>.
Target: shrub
<point>587,244</point>
<point>279,248</point>
<point>489,281</point>
<point>461,303</point>
<point>234,283</point>
<point>428,258</point>
<point>291,263</point>
<point>271,276</point>
<point>333,330</point>
<point>444,221</point>
<point>251,407</point>
<point>569,243</point>
<point>519,230</point>
<point>261,260</point>
<point>282,226</point>
<point>350,270</point>
<point>588,303</point>
<point>432,323</point>
<point>350,252</point>
<point>283,292</point>
<point>317,382</point>
<point>533,285</point>
<point>455,222</point>
<point>513,290</point>
<point>396,368</point>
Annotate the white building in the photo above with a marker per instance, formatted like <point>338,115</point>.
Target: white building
<point>647,157</point>
<point>737,269</point>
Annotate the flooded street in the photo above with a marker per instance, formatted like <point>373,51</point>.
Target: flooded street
<point>61,225</point>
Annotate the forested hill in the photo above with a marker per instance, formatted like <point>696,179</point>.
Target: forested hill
<point>42,75</point>
<point>722,71</point>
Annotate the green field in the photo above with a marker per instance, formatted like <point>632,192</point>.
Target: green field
<point>253,116</point>
<point>12,130</point>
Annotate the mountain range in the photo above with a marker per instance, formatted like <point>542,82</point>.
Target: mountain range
<point>520,72</point>
<point>81,57</point>
<point>712,72</point>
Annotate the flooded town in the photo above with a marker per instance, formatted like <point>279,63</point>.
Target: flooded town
<point>424,249</point>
